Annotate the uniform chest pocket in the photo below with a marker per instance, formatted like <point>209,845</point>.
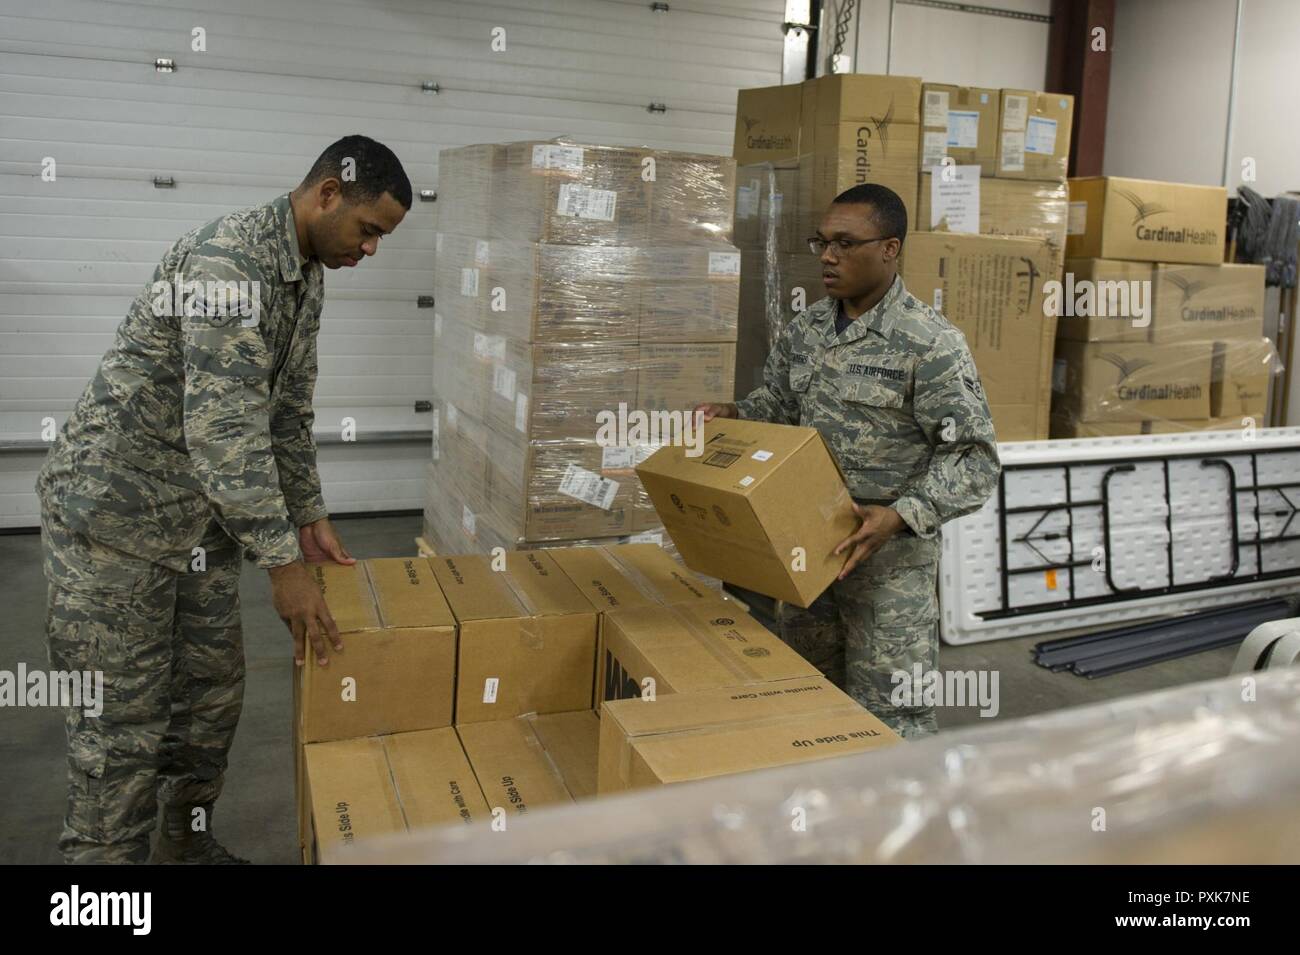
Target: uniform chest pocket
<point>877,394</point>
<point>800,378</point>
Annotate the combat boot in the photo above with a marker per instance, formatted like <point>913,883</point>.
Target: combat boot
<point>180,844</point>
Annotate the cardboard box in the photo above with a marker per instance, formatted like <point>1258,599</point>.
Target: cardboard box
<point>715,732</point>
<point>759,491</point>
<point>532,761</point>
<point>676,377</point>
<point>768,123</point>
<point>399,639</point>
<point>1145,220</point>
<point>1208,303</point>
<point>867,129</point>
<point>1034,135</point>
<point>767,204</point>
<point>1009,207</point>
<point>658,650</point>
<point>1065,428</point>
<point>992,288</point>
<point>1104,300</point>
<point>959,123</point>
<point>773,292</point>
<point>361,788</point>
<point>1131,381</point>
<point>1241,379</point>
<point>527,636</point>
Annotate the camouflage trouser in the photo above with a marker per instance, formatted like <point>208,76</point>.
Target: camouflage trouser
<point>171,650</point>
<point>866,628</point>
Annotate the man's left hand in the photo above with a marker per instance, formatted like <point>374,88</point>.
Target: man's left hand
<point>879,524</point>
<point>319,544</point>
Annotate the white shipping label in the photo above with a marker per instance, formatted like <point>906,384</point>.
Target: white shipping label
<point>647,537</point>
<point>956,198</point>
<point>746,481</point>
<point>583,202</point>
<point>724,263</point>
<point>1015,112</point>
<point>469,282</point>
<point>503,381</point>
<point>1077,223</point>
<point>437,325</point>
<point>963,129</point>
<point>1013,152</point>
<point>467,520</point>
<point>521,412</point>
<point>617,459</point>
<point>588,487</point>
<point>747,201</point>
<point>933,149</point>
<point>1040,137</point>
<point>490,689</point>
<point>552,156</point>
<point>936,109</point>
<point>482,251</point>
<point>938,300</point>
<point>761,455</point>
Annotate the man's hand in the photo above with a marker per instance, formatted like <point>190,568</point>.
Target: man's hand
<point>301,606</point>
<point>319,543</point>
<point>878,525</point>
<point>712,410</point>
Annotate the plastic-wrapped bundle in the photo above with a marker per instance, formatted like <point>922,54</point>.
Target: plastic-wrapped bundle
<point>570,193</point>
<point>1010,207</point>
<point>1199,774</point>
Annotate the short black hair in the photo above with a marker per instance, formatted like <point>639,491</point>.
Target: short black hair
<point>377,169</point>
<point>887,209</point>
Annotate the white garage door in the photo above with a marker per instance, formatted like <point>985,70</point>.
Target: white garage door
<point>240,121</point>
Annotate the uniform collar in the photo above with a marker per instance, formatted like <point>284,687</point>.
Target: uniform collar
<point>880,319</point>
<point>291,257</point>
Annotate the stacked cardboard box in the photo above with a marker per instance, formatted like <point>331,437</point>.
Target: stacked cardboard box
<point>466,689</point>
<point>570,280</point>
<point>1156,335</point>
<point>1003,156</point>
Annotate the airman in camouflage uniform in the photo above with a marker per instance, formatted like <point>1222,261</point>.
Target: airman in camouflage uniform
<point>191,449</point>
<point>895,393</point>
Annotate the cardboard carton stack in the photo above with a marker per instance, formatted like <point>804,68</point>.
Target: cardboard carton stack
<point>1157,334</point>
<point>469,690</point>
<point>569,280</point>
<point>1001,210</point>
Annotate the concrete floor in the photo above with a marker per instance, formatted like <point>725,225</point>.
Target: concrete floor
<point>255,816</point>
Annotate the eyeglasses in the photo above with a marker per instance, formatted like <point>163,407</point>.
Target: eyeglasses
<point>819,245</point>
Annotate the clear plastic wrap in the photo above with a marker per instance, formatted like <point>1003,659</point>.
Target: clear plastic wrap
<point>571,281</point>
<point>1205,773</point>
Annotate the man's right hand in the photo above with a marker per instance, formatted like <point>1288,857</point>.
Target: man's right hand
<point>301,606</point>
<point>712,410</point>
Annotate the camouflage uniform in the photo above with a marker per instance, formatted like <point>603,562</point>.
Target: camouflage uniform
<point>898,399</point>
<point>194,432</point>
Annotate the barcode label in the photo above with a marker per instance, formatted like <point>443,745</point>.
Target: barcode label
<point>647,537</point>
<point>551,156</point>
<point>588,487</point>
<point>616,459</point>
<point>521,412</point>
<point>724,263</point>
<point>481,252</point>
<point>762,455</point>
<point>469,282</point>
<point>490,689</point>
<point>722,459</point>
<point>584,202</point>
<point>503,382</point>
